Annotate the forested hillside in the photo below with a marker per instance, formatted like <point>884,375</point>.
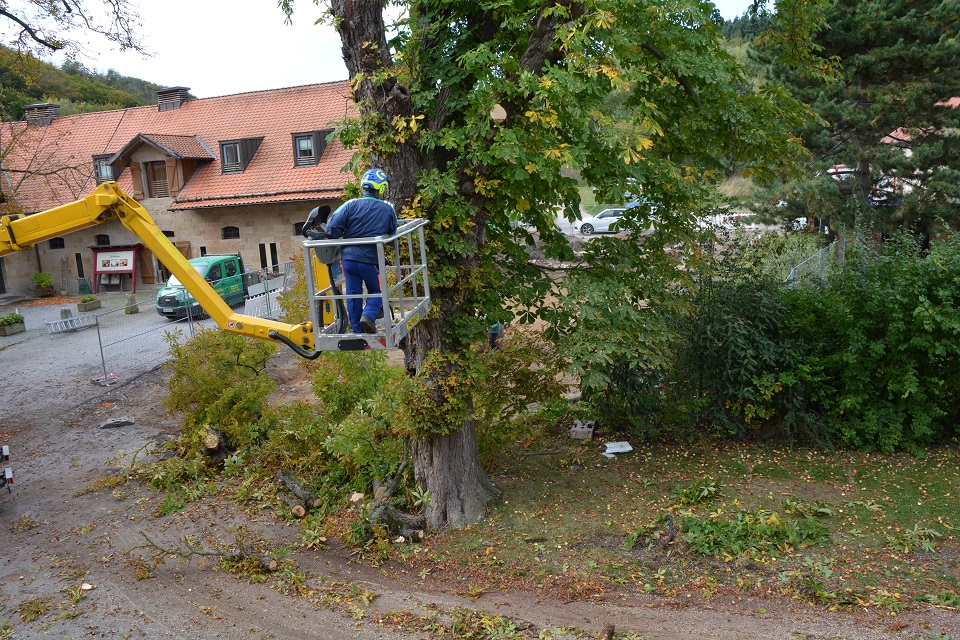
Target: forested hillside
<point>76,89</point>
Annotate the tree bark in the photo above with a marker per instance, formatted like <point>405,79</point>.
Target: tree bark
<point>449,467</point>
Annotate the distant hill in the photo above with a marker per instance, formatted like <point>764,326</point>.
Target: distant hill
<point>76,89</point>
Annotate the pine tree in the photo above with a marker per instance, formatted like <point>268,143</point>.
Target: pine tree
<point>886,149</point>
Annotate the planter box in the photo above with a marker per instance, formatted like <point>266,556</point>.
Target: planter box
<point>88,306</point>
<point>10,329</point>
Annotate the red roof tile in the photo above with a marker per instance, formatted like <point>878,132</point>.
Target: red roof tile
<point>179,146</point>
<point>49,165</point>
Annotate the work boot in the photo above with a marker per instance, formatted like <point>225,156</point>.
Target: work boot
<point>368,325</point>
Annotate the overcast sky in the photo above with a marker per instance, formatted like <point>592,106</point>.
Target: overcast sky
<point>219,47</point>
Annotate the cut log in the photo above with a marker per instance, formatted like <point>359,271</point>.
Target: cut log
<point>298,511</point>
<point>214,444</point>
<point>293,486</point>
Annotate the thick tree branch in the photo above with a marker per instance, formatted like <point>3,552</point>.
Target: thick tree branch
<point>50,44</point>
<point>542,43</point>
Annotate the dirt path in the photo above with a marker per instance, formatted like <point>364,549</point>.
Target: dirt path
<point>57,538</point>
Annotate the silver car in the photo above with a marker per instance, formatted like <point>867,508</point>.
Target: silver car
<point>601,222</point>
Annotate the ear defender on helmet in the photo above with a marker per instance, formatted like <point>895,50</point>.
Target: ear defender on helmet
<point>375,180</point>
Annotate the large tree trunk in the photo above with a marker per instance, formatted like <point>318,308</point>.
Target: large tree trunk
<point>449,467</point>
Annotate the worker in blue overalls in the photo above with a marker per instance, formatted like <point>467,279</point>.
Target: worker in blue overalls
<point>367,216</point>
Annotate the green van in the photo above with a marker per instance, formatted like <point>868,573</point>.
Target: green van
<point>225,275</point>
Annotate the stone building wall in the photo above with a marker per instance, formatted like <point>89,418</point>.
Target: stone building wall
<point>268,224</point>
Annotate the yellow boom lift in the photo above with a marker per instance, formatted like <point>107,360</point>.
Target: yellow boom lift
<point>406,288</point>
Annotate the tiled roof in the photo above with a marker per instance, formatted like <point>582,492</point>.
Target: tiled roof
<point>178,146</point>
<point>51,165</point>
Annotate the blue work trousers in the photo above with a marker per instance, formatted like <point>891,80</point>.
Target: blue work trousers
<point>356,275</point>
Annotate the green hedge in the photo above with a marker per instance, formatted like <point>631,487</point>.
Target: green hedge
<point>869,358</point>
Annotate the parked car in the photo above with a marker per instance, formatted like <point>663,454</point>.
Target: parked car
<point>601,222</point>
<point>225,275</point>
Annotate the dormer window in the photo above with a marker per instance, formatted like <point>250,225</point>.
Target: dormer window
<point>230,151</point>
<point>308,147</point>
<point>102,170</point>
<point>235,155</point>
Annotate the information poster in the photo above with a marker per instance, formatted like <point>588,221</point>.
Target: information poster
<point>110,264</point>
<point>115,261</point>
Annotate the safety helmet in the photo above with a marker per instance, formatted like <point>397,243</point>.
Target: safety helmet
<point>375,180</point>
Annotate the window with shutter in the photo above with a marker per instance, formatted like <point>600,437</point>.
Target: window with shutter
<point>157,180</point>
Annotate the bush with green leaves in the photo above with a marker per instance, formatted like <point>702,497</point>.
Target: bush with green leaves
<point>869,357</point>
<point>732,352</point>
<point>616,327</point>
<point>518,391</point>
<point>11,319</point>
<point>218,380</point>
<point>43,279</point>
<point>898,375</point>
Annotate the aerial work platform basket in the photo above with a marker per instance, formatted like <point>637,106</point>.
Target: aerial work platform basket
<point>404,283</point>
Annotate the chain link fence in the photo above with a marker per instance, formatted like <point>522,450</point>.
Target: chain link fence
<point>817,265</point>
<point>135,338</point>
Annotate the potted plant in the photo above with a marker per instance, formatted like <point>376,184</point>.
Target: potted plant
<point>11,323</point>
<point>88,303</point>
<point>44,282</point>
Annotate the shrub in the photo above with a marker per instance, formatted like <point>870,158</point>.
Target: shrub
<point>11,319</point>
<point>517,391</point>
<point>89,298</point>
<point>616,326</point>
<point>42,279</point>
<point>218,379</point>
<point>869,357</point>
<point>731,350</point>
<point>898,375</point>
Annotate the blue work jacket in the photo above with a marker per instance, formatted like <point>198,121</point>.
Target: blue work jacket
<point>362,218</point>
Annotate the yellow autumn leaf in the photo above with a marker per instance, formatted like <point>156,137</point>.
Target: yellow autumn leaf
<point>523,205</point>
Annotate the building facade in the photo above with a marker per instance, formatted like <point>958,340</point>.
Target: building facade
<point>230,174</point>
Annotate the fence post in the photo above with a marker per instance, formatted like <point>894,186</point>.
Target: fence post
<point>103,358</point>
<point>265,274</point>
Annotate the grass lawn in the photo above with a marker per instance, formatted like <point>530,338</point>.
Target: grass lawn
<point>839,528</point>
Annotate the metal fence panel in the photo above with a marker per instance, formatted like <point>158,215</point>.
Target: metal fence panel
<point>134,339</point>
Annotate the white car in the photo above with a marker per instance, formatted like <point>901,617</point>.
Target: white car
<point>601,222</point>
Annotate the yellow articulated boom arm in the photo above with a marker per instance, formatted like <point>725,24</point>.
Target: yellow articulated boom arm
<point>108,201</point>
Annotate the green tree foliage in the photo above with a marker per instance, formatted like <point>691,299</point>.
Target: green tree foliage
<point>882,115</point>
<point>426,87</point>
<point>75,88</point>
